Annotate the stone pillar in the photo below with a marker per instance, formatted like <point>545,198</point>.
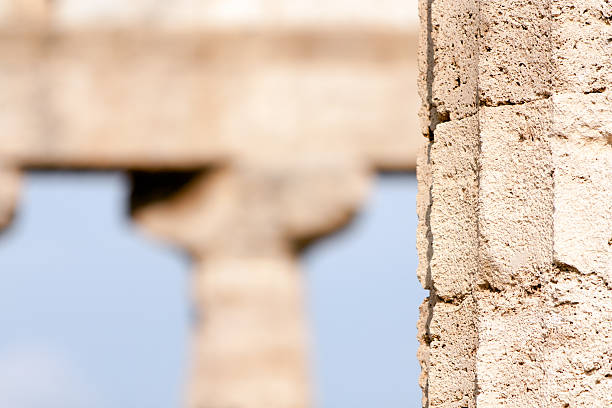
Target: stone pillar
<point>515,203</point>
<point>243,227</point>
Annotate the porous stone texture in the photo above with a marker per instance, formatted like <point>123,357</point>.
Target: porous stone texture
<point>515,235</point>
<point>249,128</point>
<point>449,50</point>
<point>581,40</point>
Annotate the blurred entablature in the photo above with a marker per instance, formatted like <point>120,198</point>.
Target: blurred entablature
<point>101,94</point>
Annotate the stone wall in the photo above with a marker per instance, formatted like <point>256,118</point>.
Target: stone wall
<point>515,203</point>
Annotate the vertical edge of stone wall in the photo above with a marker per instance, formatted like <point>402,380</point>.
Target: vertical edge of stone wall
<point>447,201</point>
<point>538,331</point>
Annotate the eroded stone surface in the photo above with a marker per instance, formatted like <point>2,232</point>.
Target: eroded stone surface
<point>453,342</point>
<point>515,51</point>
<point>452,55</point>
<point>582,157</point>
<point>423,206</point>
<point>577,359</point>
<point>540,269</point>
<point>515,197</point>
<point>582,45</point>
<point>510,348</point>
<point>454,201</point>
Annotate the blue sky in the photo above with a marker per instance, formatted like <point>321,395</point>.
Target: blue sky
<point>95,314</point>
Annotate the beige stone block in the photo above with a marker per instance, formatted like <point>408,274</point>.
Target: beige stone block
<point>577,357</point>
<point>516,195</point>
<point>582,159</point>
<point>515,51</point>
<point>582,45</point>
<point>449,56</point>
<point>454,207</point>
<point>423,350</point>
<point>453,341</point>
<point>510,346</point>
<point>423,206</point>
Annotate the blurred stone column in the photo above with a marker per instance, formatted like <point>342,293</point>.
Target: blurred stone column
<point>250,341</point>
<point>244,227</point>
<point>515,203</point>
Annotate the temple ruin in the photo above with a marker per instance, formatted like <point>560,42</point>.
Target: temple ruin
<point>251,130</point>
<point>248,131</point>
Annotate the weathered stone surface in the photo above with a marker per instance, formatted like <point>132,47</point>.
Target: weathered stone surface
<point>423,351</point>
<point>582,157</point>
<point>451,50</point>
<point>448,235</point>
<point>454,205</point>
<point>514,62</point>
<point>423,207</point>
<point>577,357</point>
<point>582,45</point>
<point>515,197</point>
<point>540,271</point>
<point>452,338</point>
<point>510,346</point>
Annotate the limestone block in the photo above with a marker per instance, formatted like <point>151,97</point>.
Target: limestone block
<point>540,273</point>
<point>423,350</point>
<point>449,55</point>
<point>516,195</point>
<point>423,206</point>
<point>453,341</point>
<point>249,345</point>
<point>510,346</point>
<point>515,51</point>
<point>582,159</point>
<point>582,45</point>
<point>577,357</point>
<point>454,207</point>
